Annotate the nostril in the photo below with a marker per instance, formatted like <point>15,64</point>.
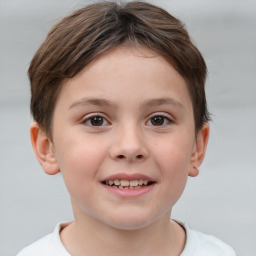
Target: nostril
<point>122,156</point>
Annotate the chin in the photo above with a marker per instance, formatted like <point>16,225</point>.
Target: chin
<point>130,222</point>
<point>130,226</point>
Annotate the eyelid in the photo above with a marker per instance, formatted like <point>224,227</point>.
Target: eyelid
<point>91,115</point>
<point>165,115</point>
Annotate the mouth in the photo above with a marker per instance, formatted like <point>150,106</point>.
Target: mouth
<point>128,184</point>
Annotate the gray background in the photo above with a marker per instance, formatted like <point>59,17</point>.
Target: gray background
<point>221,201</point>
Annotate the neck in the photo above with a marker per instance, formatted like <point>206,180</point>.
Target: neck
<point>163,237</point>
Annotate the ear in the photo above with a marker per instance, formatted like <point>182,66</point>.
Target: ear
<point>44,150</point>
<point>199,150</point>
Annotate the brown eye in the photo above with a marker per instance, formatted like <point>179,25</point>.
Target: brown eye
<point>95,121</point>
<point>157,120</point>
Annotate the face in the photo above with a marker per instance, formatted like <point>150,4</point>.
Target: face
<point>123,138</point>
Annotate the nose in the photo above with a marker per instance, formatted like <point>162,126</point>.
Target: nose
<point>128,144</point>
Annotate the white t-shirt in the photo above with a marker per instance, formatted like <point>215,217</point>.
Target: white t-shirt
<point>197,244</point>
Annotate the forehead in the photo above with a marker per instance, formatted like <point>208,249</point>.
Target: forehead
<point>124,73</point>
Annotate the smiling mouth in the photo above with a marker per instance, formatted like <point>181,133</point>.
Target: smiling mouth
<point>128,184</point>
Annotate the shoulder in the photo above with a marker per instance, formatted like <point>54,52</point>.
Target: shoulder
<point>201,244</point>
<point>49,245</point>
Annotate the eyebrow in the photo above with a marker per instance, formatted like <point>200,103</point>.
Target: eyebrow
<point>163,101</point>
<point>90,101</point>
<point>106,103</point>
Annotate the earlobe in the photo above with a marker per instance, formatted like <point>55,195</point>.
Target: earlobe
<point>199,150</point>
<point>193,171</point>
<point>44,150</point>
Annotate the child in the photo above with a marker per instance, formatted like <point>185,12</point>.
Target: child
<point>119,107</point>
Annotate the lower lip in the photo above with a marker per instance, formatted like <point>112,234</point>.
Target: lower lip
<point>129,193</point>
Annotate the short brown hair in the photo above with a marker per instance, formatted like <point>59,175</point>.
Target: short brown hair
<point>95,29</point>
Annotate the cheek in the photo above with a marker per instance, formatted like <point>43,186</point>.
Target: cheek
<point>175,174</point>
<point>174,162</point>
<point>79,162</point>
<point>174,154</point>
<point>175,171</point>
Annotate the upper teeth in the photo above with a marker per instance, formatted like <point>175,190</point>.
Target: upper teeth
<point>127,183</point>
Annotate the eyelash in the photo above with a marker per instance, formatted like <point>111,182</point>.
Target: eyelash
<point>102,121</point>
<point>90,118</point>
<point>166,120</point>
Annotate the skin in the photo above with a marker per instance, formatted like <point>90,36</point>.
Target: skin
<point>127,88</point>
